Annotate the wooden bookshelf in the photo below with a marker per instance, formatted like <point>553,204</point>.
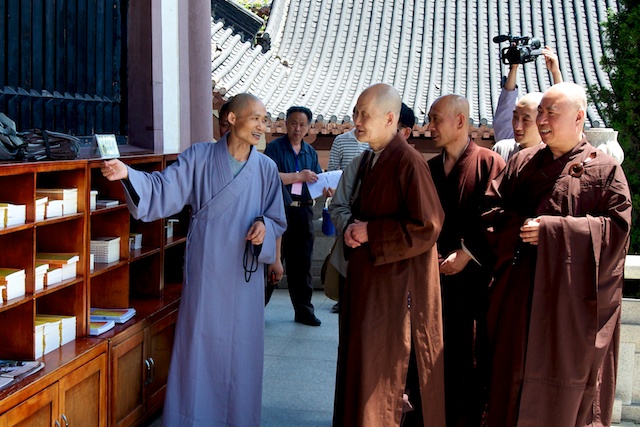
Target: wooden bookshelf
<point>136,279</point>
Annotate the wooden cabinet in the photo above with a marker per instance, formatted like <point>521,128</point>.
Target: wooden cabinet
<point>140,367</point>
<point>37,411</point>
<point>149,279</point>
<point>73,395</point>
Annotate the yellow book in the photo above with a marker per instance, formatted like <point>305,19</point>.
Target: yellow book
<point>57,258</point>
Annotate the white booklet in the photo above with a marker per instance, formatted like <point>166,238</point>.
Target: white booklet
<point>325,180</point>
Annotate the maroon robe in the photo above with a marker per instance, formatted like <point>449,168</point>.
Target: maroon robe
<point>554,315</point>
<point>392,296</point>
<point>464,295</point>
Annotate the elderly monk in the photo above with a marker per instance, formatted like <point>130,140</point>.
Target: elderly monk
<point>462,174</point>
<point>561,220</point>
<point>391,308</point>
<point>235,194</point>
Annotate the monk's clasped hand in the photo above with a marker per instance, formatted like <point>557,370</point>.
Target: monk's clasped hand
<point>530,231</point>
<point>256,233</point>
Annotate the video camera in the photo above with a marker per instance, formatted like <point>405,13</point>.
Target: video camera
<point>520,50</point>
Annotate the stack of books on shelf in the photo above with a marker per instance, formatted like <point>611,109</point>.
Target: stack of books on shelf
<point>53,209</point>
<point>40,275</point>
<point>14,370</point>
<point>98,327</point>
<point>13,282</point>
<point>135,241</point>
<point>105,249</point>
<point>93,196</point>
<point>118,315</point>
<point>11,214</point>
<point>38,339</point>
<point>64,327</point>
<point>68,196</point>
<point>106,203</point>
<point>47,336</point>
<point>66,262</point>
<point>41,208</point>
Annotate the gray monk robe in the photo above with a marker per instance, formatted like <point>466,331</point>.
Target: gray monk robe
<point>554,314</point>
<point>215,377</point>
<point>392,296</point>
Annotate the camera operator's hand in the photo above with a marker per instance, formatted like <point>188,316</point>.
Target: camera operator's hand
<point>553,64</point>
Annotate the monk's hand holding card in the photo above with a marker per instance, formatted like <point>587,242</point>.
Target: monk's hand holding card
<point>530,231</point>
<point>114,170</point>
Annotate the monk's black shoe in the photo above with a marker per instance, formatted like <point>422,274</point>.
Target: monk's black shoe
<point>310,321</point>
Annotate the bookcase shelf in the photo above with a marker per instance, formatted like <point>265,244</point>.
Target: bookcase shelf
<point>136,279</point>
<point>12,303</point>
<point>137,254</point>
<point>14,228</point>
<point>173,241</point>
<point>98,211</point>
<point>63,218</point>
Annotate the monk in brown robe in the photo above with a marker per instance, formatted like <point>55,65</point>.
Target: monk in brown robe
<point>462,174</point>
<point>561,225</point>
<point>391,307</point>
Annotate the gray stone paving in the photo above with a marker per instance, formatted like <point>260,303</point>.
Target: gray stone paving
<point>300,362</point>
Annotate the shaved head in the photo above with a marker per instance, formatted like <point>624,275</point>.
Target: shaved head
<point>376,115</point>
<point>454,104</point>
<point>530,100</point>
<point>449,123</point>
<point>561,116</point>
<point>241,101</point>
<point>572,93</point>
<point>385,97</point>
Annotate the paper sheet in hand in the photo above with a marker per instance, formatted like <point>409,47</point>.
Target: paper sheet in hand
<point>325,180</point>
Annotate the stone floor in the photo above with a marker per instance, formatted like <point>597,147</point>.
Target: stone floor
<point>299,365</point>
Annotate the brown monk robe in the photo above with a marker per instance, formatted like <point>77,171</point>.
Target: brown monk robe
<point>391,304</point>
<point>464,294</point>
<point>462,174</point>
<point>554,313</point>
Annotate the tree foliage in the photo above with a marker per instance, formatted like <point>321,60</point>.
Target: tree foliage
<point>620,105</point>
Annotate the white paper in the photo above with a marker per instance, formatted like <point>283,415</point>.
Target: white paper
<point>325,180</point>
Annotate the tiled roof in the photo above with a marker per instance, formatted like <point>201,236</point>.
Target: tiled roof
<point>245,23</point>
<point>325,52</point>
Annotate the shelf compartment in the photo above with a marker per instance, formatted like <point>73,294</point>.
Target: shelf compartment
<point>19,190</point>
<point>17,252</point>
<point>73,178</point>
<point>111,288</point>
<point>18,330</point>
<point>174,264</point>
<point>145,276</point>
<point>64,236</point>
<point>68,299</point>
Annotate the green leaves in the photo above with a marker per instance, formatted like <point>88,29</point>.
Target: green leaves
<point>620,105</point>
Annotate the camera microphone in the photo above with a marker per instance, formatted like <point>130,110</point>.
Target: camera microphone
<point>501,38</point>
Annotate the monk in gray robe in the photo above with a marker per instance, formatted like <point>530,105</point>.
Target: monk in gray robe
<point>215,377</point>
<point>391,308</point>
<point>560,223</point>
